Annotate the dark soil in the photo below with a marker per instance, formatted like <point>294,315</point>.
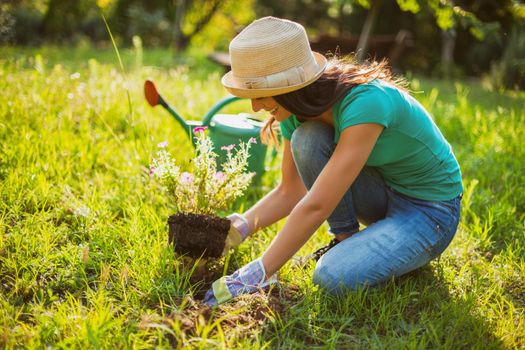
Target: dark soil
<point>198,236</point>
<point>246,314</point>
<point>204,275</point>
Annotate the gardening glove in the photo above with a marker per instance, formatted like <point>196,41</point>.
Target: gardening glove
<point>239,230</point>
<point>248,279</point>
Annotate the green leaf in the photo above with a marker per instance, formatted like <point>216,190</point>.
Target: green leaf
<point>445,18</point>
<point>409,5</point>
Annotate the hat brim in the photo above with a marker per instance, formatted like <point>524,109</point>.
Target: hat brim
<point>228,82</point>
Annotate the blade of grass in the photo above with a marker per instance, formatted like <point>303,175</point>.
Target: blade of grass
<point>130,106</point>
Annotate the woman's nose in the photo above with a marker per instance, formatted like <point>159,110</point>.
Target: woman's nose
<point>256,105</point>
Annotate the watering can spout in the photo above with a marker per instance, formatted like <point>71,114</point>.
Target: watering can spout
<point>225,129</point>
<point>154,98</point>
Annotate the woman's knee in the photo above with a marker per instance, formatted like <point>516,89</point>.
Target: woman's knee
<point>312,140</point>
<point>329,276</point>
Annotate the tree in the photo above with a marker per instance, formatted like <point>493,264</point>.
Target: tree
<point>367,29</point>
<point>63,19</point>
<point>191,18</point>
<point>161,22</point>
<point>449,16</point>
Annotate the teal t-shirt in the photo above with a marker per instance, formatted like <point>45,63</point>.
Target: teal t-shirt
<point>411,153</point>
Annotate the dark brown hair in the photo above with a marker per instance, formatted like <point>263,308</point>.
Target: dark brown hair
<point>339,77</point>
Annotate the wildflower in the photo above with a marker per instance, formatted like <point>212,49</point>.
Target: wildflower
<point>204,189</point>
<point>186,178</point>
<point>199,129</point>
<point>82,211</point>
<point>152,170</point>
<point>162,144</point>
<point>219,176</point>
<point>228,148</point>
<point>252,140</point>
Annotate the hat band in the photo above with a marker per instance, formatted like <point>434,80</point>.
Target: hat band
<point>292,76</point>
<point>289,77</point>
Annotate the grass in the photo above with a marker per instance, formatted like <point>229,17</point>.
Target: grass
<point>83,255</point>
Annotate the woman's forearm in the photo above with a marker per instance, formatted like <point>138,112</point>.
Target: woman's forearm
<point>349,157</point>
<point>299,227</point>
<point>273,207</point>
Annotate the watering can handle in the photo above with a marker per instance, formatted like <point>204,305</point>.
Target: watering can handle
<point>217,107</point>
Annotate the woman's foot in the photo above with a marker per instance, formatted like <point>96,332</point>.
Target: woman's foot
<point>342,236</point>
<point>315,256</point>
<point>321,251</point>
<point>337,238</point>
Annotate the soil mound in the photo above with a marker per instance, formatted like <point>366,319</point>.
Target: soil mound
<point>197,235</point>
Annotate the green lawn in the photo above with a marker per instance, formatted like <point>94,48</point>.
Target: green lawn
<point>83,254</point>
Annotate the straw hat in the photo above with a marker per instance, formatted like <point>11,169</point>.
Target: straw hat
<point>271,57</point>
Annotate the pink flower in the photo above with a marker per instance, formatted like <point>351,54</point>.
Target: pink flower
<point>162,144</point>
<point>152,170</point>
<point>252,140</point>
<point>219,176</point>
<point>228,148</point>
<point>186,178</point>
<point>199,129</point>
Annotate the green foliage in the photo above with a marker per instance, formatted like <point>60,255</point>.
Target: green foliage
<point>83,254</point>
<point>447,14</point>
<point>315,18</point>
<point>151,20</point>
<point>509,72</point>
<point>21,23</point>
<point>154,21</point>
<point>409,5</point>
<point>482,26</point>
<point>224,25</point>
<point>63,19</point>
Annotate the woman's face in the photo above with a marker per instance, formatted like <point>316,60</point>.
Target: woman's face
<point>270,105</point>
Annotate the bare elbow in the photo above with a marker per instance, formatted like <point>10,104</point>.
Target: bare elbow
<point>292,193</point>
<point>314,209</point>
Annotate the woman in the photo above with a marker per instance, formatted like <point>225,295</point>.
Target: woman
<point>357,148</point>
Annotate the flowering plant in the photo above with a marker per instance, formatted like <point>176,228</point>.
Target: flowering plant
<point>204,190</point>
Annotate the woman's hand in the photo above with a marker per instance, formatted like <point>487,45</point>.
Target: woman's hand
<point>248,279</point>
<point>239,230</point>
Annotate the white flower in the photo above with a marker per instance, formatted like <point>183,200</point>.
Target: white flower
<point>202,189</point>
<point>186,178</point>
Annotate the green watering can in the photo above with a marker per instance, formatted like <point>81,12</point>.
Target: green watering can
<point>224,129</point>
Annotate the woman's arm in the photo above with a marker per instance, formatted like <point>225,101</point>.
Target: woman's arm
<point>350,155</point>
<point>281,200</point>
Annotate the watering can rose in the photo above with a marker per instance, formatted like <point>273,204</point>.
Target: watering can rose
<point>204,189</point>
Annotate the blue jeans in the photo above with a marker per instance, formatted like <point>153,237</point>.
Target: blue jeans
<point>402,233</point>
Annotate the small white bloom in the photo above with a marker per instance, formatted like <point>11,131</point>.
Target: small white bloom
<point>82,211</point>
<point>186,178</point>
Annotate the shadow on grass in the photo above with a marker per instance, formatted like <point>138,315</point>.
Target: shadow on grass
<point>419,310</point>
<point>415,311</point>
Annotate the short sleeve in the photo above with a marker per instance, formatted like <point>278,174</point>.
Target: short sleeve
<point>366,104</point>
<point>288,126</point>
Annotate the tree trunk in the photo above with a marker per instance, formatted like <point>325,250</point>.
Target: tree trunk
<point>367,30</point>
<point>182,40</point>
<point>178,36</point>
<point>447,50</point>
